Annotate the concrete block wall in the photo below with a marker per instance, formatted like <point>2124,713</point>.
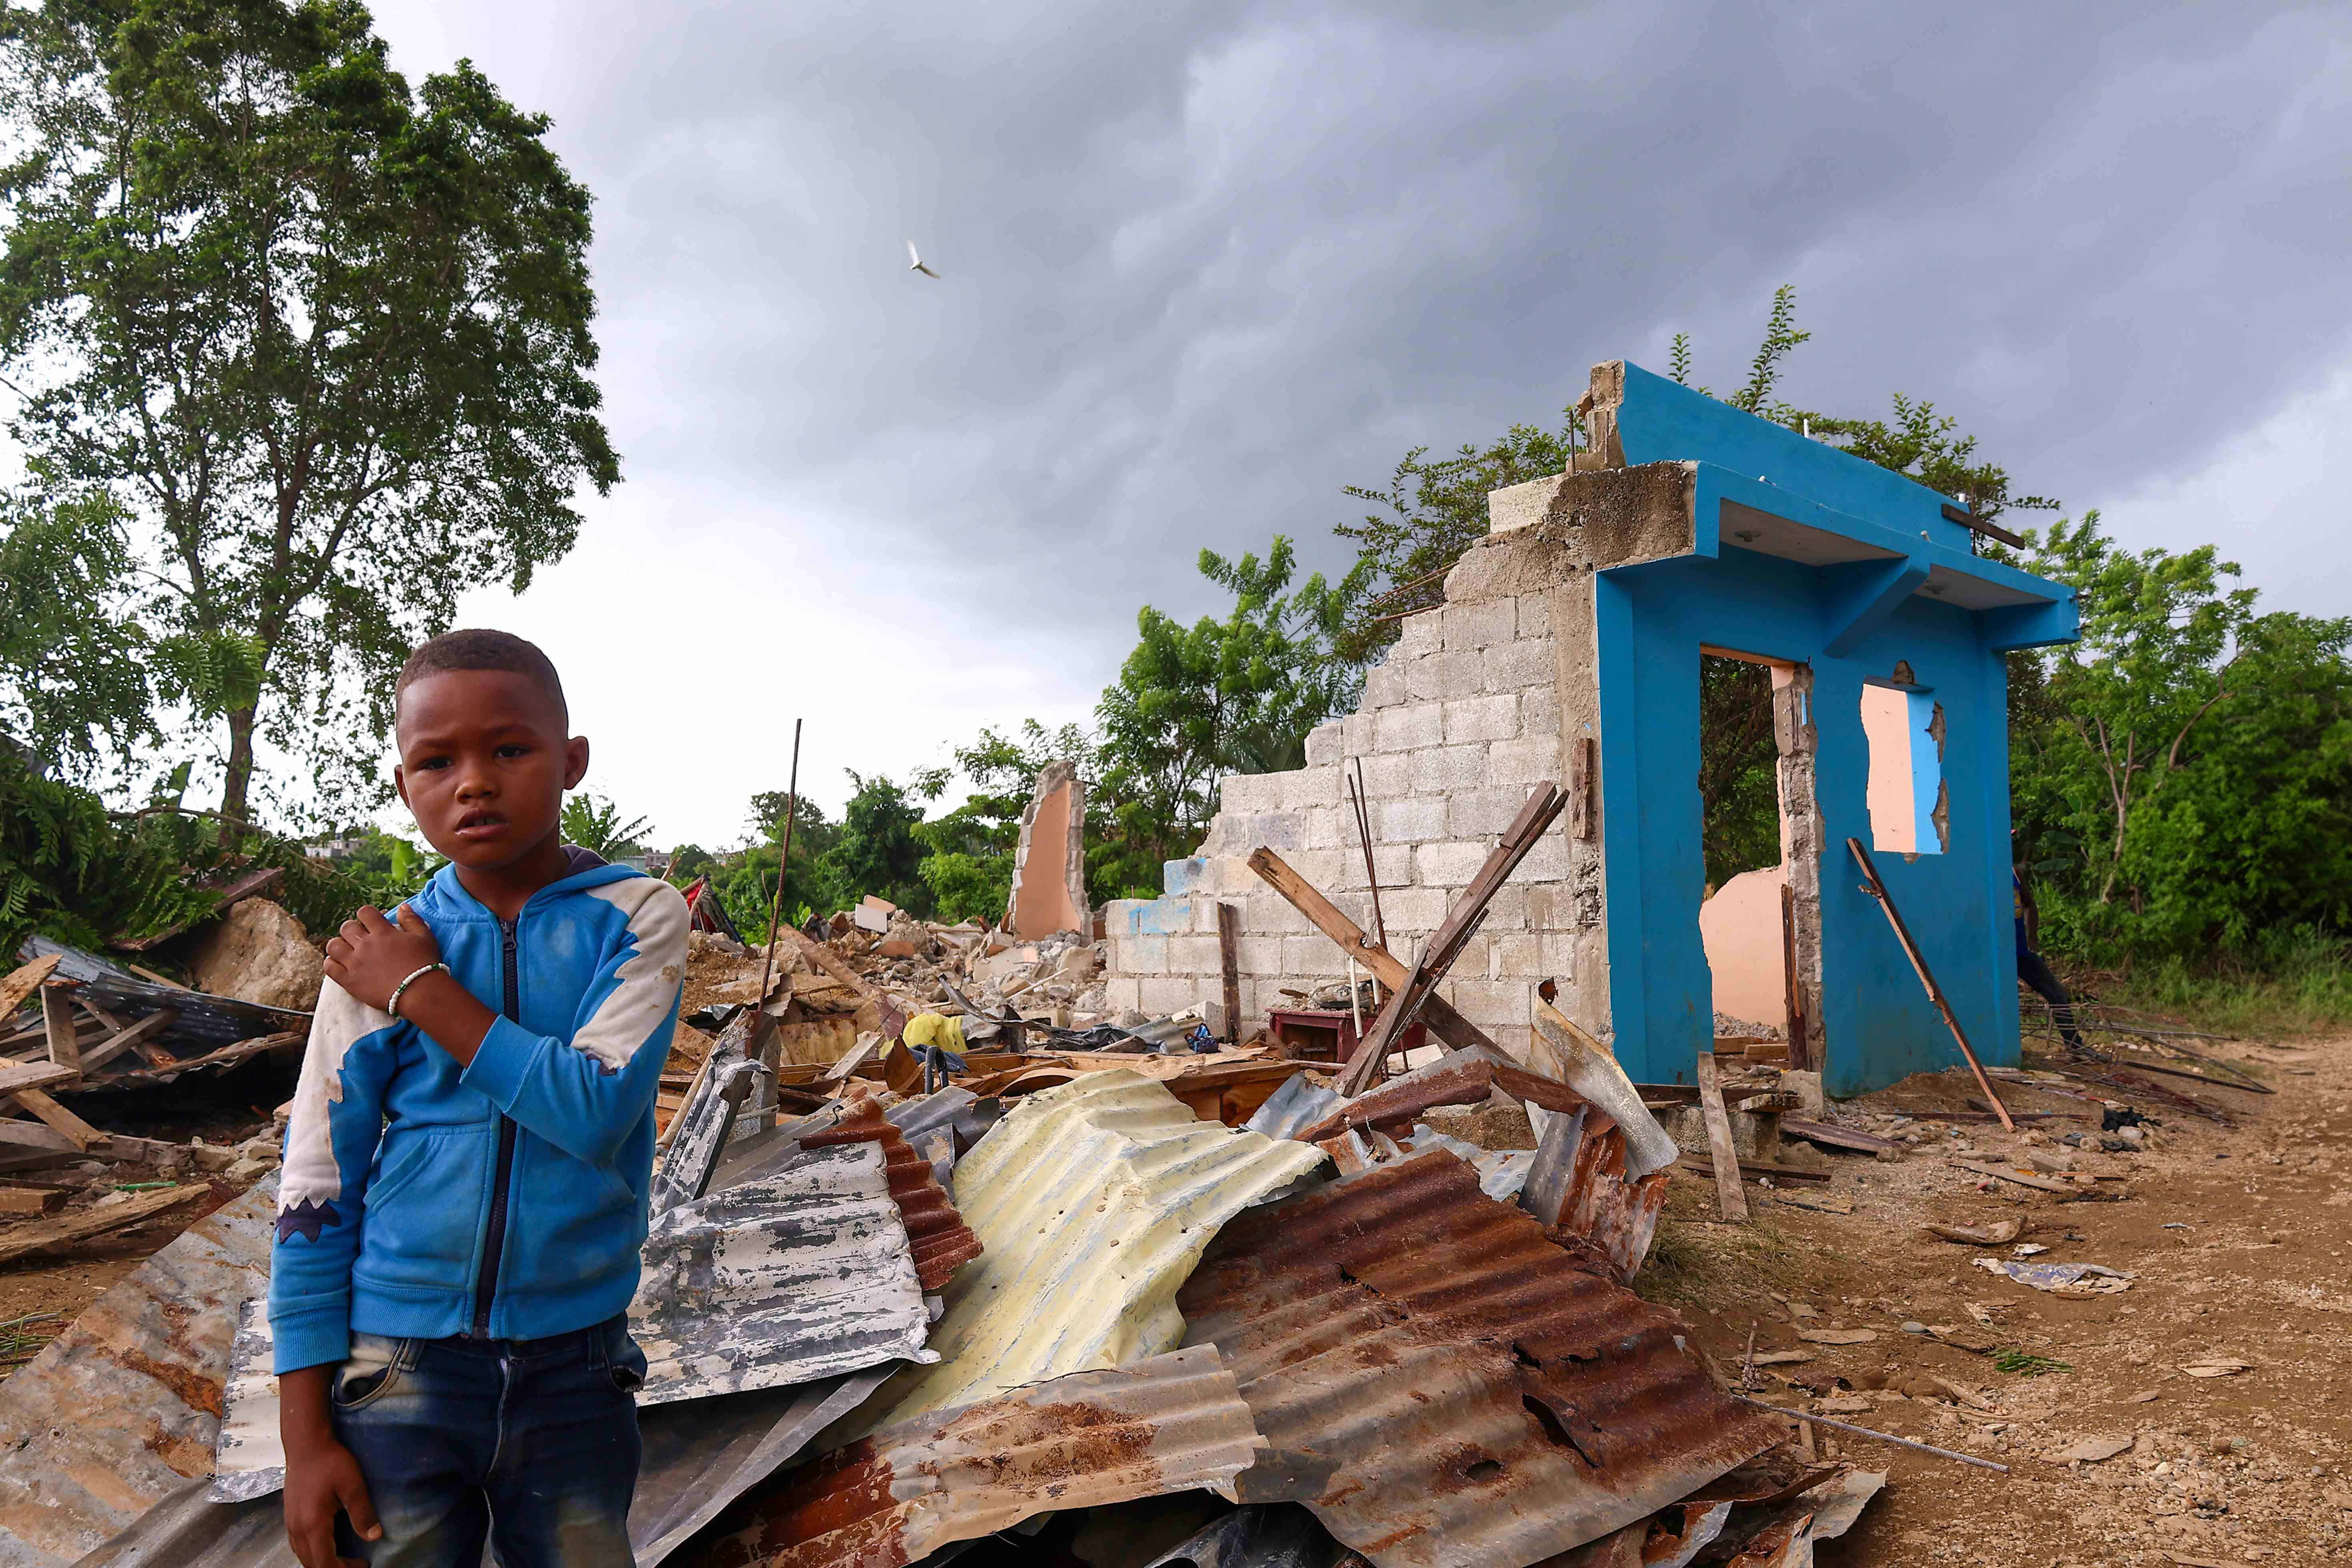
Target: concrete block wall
<point>1455,728</point>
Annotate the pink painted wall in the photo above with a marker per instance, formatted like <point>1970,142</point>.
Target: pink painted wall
<point>1043,906</point>
<point>1886,724</point>
<point>1740,928</point>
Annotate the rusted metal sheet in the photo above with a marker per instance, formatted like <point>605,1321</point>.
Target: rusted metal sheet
<point>1459,1078</point>
<point>1094,1200</point>
<point>1489,1402</point>
<point>1502,1173</point>
<point>1169,1424</point>
<point>793,1276</point>
<point>208,1032</point>
<point>936,1232</point>
<point>120,1410</point>
<point>1580,1191</point>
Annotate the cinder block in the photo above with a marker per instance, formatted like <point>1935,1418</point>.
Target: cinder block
<point>1524,761</point>
<point>1143,955</point>
<point>1414,909</point>
<point>1387,774</point>
<point>1534,616</point>
<point>1449,864</point>
<point>1282,830</point>
<point>1245,795</point>
<point>1444,770</point>
<point>1495,717</point>
<point>1120,916</point>
<point>1331,828</point>
<point>1323,868</point>
<point>1204,910</point>
<point>1471,963</point>
<point>1508,910</point>
<point>1542,902</point>
<point>1492,1003</point>
<point>1516,665</point>
<point>1392,863</point>
<point>1413,819</point>
<point>1539,710</point>
<point>1359,737</point>
<point>1194,955</point>
<point>1411,727</point>
<point>1260,954</point>
<point>1418,635</point>
<point>1515,955</point>
<point>1481,625</point>
<point>1121,992</point>
<point>1547,861</point>
<point>1311,787</point>
<point>1482,813</point>
<point>1327,743</point>
<point>1448,674</point>
<point>1163,995</point>
<point>1166,917</point>
<point>1384,685</point>
<point>1309,956</point>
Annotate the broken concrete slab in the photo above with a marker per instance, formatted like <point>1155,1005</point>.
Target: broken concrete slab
<point>1049,863</point>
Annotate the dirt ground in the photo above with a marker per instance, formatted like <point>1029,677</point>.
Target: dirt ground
<point>2235,1239</point>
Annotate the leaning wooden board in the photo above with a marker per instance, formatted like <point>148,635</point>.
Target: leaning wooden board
<point>81,1226</point>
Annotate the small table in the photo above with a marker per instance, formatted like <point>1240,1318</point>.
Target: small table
<point>1326,1034</point>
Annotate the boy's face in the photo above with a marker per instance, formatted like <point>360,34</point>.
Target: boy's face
<point>484,763</point>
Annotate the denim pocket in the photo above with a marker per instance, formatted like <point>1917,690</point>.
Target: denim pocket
<point>625,1360</point>
<point>370,1371</point>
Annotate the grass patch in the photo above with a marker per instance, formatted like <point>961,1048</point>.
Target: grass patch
<point>1696,1262</point>
<point>2299,984</point>
<point>2023,1365</point>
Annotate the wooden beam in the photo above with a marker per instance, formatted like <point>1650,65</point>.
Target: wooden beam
<point>57,1022</point>
<point>137,1208</point>
<point>1229,941</point>
<point>31,1200</point>
<point>21,983</point>
<point>76,1131</point>
<point>1544,805</point>
<point>1729,1199</point>
<point>1303,896</point>
<point>1877,889</point>
<point>138,1033</point>
<point>17,1077</point>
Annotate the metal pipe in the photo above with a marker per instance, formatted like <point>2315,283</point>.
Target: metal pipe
<point>1882,1436</point>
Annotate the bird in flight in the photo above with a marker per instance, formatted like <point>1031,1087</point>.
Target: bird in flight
<point>915,262</point>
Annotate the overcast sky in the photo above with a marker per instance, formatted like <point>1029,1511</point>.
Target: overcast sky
<point>1202,269</point>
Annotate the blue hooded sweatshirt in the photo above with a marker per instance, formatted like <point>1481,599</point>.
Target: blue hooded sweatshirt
<point>505,1199</point>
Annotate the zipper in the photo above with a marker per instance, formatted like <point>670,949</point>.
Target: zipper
<point>494,1234</point>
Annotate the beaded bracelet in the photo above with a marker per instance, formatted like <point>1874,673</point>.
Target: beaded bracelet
<point>392,1005</point>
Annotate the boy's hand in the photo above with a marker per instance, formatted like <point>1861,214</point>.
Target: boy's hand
<point>370,955</point>
<point>323,1478</point>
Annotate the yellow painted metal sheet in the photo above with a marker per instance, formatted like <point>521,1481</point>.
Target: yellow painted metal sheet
<point>1093,1201</point>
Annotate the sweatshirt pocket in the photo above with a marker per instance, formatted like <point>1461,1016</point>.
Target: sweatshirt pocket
<point>425,1207</point>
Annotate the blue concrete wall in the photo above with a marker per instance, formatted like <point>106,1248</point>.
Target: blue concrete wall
<point>1847,622</point>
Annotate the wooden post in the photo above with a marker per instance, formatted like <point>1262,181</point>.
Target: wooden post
<point>1728,1194</point>
<point>1229,941</point>
<point>57,1019</point>
<point>1877,889</point>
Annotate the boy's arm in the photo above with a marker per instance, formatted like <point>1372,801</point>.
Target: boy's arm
<point>584,1094</point>
<point>330,1144</point>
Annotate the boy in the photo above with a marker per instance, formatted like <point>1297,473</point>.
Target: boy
<point>468,1160</point>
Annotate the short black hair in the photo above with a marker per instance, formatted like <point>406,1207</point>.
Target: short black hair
<point>480,648</point>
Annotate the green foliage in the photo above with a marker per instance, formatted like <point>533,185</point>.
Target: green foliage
<point>324,337</point>
<point>689,861</point>
<point>73,668</point>
<point>1231,695</point>
<point>970,868</point>
<point>2182,777</point>
<point>70,871</point>
<point>2020,1364</point>
<point>878,851</point>
<point>594,823</point>
<point>1738,769</point>
<point>748,880</point>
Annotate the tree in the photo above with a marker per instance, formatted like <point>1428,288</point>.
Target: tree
<point>594,823</point>
<point>73,668</point>
<point>750,883</point>
<point>878,852</point>
<point>325,339</point>
<point>1236,695</point>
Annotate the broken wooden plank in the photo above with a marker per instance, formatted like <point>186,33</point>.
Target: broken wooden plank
<point>1229,962</point>
<point>1837,1137</point>
<point>58,1025</point>
<point>31,1200</point>
<point>145,974</point>
<point>138,1033</point>
<point>17,1077</point>
<point>76,1131</point>
<point>2022,1178</point>
<point>135,1209</point>
<point>1877,889</point>
<point>21,983</point>
<point>894,1022</point>
<point>1728,1198</point>
<point>1544,805</point>
<point>1391,972</point>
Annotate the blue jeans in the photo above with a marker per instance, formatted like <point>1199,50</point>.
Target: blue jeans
<point>531,1443</point>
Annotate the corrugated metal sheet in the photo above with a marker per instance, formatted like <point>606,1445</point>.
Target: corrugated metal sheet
<point>210,1031</point>
<point>1273,1535</point>
<point>1579,1191</point>
<point>1169,1424</point>
<point>247,1462</point>
<point>698,1458</point>
<point>1297,1105</point>
<point>1094,1199</point>
<point>120,1410</point>
<point>1490,1402</point>
<point>1501,1172</point>
<point>794,1276</point>
<point>936,1232</point>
